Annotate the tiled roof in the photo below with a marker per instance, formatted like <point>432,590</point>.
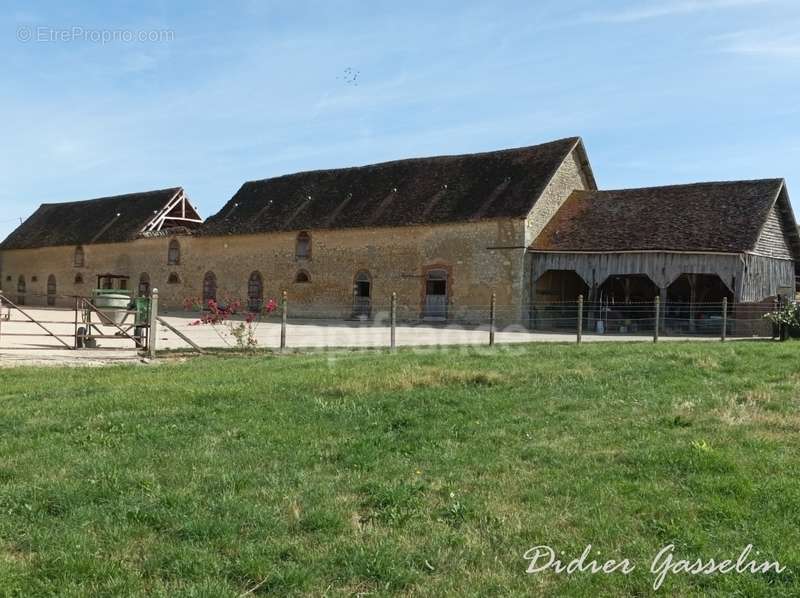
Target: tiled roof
<point>441,189</point>
<point>705,217</point>
<point>104,220</point>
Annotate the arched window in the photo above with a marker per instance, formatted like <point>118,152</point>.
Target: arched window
<point>79,278</point>
<point>144,285</point>
<point>303,247</point>
<point>174,254</point>
<point>209,288</point>
<point>21,290</point>
<point>51,290</point>
<point>302,277</point>
<point>255,293</point>
<point>79,260</point>
<point>174,278</point>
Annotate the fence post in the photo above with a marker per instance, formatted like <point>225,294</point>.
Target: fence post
<point>393,324</point>
<point>77,315</point>
<point>152,335</point>
<point>580,318</point>
<point>724,319</point>
<point>284,316</point>
<point>658,318</point>
<point>492,319</point>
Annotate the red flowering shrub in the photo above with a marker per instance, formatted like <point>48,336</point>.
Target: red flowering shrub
<point>222,317</point>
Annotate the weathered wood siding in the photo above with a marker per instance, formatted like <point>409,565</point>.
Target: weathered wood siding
<point>773,241</point>
<point>764,277</point>
<point>749,277</point>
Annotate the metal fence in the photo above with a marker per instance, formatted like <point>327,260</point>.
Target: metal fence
<point>391,325</point>
<point>364,323</point>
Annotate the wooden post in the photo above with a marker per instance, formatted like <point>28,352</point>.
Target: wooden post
<point>284,317</point>
<point>724,319</point>
<point>657,318</point>
<point>393,324</point>
<point>152,334</point>
<point>580,318</point>
<point>692,299</point>
<point>492,319</point>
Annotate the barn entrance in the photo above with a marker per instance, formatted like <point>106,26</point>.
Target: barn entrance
<point>255,293</point>
<point>362,295</point>
<point>694,303</point>
<point>51,290</point>
<point>626,304</point>
<point>555,300</point>
<point>436,293</point>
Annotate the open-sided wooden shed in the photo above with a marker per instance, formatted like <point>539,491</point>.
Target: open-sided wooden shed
<point>694,243</point>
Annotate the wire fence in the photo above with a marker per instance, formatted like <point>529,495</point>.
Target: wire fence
<point>389,324</point>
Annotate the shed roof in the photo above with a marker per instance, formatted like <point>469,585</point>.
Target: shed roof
<point>103,220</point>
<point>505,183</point>
<point>716,217</point>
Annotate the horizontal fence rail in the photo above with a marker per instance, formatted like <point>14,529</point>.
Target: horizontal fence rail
<point>366,323</point>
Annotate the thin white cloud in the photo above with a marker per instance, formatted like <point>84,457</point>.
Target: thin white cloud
<point>759,43</point>
<point>668,8</point>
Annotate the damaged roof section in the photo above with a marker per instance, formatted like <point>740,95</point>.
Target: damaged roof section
<point>105,220</point>
<point>717,217</point>
<point>433,190</point>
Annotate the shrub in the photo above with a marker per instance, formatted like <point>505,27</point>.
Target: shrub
<point>220,316</point>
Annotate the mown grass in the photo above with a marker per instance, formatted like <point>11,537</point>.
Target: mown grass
<point>423,474</point>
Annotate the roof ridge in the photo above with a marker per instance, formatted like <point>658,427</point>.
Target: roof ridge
<point>571,140</point>
<point>120,196</point>
<point>694,184</point>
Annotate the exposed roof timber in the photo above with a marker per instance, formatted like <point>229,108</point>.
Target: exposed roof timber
<point>163,216</point>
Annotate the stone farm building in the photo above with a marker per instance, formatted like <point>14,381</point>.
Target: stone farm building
<point>444,233</point>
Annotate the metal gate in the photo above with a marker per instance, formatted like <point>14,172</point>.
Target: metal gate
<point>83,326</point>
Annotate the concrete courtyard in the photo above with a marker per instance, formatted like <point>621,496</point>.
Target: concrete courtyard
<point>36,348</point>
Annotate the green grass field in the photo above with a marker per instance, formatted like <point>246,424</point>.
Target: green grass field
<point>427,474</point>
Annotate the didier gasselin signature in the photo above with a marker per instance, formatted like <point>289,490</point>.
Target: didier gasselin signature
<point>543,558</point>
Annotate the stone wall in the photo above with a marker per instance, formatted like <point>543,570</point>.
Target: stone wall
<point>397,260</point>
<point>480,258</point>
<point>570,177</point>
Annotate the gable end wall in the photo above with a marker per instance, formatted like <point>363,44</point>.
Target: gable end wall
<point>773,241</point>
<point>568,178</point>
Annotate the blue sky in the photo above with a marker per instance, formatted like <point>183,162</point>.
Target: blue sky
<point>662,92</point>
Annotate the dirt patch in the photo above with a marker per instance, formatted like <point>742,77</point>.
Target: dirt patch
<point>64,358</point>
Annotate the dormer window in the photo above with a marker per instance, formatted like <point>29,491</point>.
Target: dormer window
<point>303,246</point>
<point>79,259</point>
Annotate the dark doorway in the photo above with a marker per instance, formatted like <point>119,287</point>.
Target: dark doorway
<point>555,300</point>
<point>209,288</point>
<point>626,304</point>
<point>144,285</point>
<point>51,290</point>
<point>21,290</point>
<point>694,303</point>
<point>362,295</point>
<point>255,293</point>
<point>436,295</point>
